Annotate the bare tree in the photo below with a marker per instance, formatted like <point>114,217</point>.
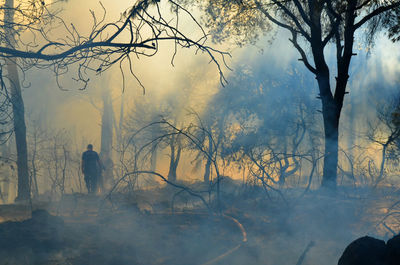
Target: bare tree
<point>385,132</point>
<point>57,159</point>
<point>188,136</point>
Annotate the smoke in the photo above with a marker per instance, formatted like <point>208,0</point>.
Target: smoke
<point>269,100</point>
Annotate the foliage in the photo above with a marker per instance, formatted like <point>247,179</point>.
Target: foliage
<point>264,123</point>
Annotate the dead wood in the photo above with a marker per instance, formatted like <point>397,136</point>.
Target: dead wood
<point>235,248</point>
<point>303,255</point>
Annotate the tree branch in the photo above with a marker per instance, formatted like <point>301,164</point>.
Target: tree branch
<point>302,53</point>
<point>375,13</point>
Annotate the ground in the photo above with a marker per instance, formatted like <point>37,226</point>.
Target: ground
<point>142,229</point>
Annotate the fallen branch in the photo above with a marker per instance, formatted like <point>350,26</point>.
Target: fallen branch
<point>234,249</point>
<point>303,255</point>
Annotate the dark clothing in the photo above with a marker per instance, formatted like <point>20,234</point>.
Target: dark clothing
<point>91,183</point>
<point>91,170</point>
<point>90,162</point>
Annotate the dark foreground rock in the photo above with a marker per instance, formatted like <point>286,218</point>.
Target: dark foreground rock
<point>371,251</point>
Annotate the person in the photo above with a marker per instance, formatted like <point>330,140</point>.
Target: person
<point>91,166</point>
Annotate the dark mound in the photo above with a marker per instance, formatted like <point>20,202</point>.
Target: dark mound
<point>371,251</point>
<point>393,251</point>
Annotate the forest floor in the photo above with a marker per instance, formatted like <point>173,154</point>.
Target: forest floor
<point>142,229</point>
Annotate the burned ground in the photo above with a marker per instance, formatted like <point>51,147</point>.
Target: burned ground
<point>141,229</point>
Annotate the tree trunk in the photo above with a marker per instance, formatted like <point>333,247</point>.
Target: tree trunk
<point>20,133</point>
<point>331,127</point>
<point>153,163</point>
<point>18,109</point>
<point>383,160</point>
<point>172,169</point>
<point>153,157</point>
<point>106,138</point>
<point>207,170</point>
<point>33,181</point>
<point>175,157</point>
<point>331,115</point>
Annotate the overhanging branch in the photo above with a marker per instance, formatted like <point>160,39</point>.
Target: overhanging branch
<point>375,13</point>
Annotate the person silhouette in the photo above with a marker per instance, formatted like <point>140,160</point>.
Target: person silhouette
<point>91,166</point>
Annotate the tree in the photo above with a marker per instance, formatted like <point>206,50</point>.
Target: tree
<point>313,25</point>
<point>261,123</point>
<point>17,105</point>
<point>139,32</point>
